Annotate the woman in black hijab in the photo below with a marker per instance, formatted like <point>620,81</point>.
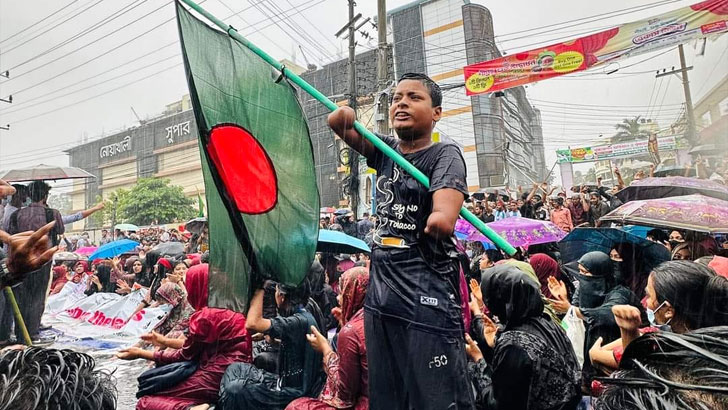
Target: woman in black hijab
<point>533,365</point>
<point>598,291</point>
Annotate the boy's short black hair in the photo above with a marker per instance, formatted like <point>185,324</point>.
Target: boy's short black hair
<point>38,190</point>
<point>432,87</point>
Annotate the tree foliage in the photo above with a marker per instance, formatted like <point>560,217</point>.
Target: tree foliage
<point>153,201</point>
<point>150,201</point>
<point>109,215</point>
<point>629,130</point>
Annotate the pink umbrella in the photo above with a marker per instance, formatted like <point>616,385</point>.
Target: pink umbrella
<point>86,250</point>
<point>516,230</point>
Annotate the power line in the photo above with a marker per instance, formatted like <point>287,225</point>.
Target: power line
<point>38,22</point>
<point>82,33</point>
<point>583,20</point>
<point>45,94</point>
<point>51,28</point>
<point>93,84</point>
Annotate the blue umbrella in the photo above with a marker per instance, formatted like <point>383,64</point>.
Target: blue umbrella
<point>112,249</point>
<point>637,230</point>
<point>339,242</point>
<point>583,240</point>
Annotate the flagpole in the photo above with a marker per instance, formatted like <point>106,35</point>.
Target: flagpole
<point>376,141</point>
<point>18,317</point>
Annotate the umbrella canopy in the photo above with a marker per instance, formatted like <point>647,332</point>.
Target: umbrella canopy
<point>583,240</point>
<point>516,230</point>
<point>196,225</point>
<point>127,227</point>
<point>43,172</point>
<point>650,188</point>
<point>86,250</point>
<point>114,248</point>
<point>690,212</point>
<point>339,242</point>
<point>673,170</point>
<point>169,249</point>
<point>67,256</point>
<point>342,211</point>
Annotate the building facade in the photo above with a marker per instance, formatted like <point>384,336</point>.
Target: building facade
<point>501,136</point>
<point>163,147</point>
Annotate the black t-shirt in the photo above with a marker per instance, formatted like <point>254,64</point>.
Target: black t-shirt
<point>403,204</point>
<point>416,282</point>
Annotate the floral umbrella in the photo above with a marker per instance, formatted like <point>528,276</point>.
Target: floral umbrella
<point>691,212</point>
<point>516,230</point>
<point>652,188</point>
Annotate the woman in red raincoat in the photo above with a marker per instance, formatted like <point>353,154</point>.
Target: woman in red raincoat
<point>217,338</point>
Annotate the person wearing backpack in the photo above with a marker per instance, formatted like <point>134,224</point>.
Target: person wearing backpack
<point>31,293</point>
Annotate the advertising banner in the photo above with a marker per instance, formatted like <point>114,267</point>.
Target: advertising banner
<point>666,30</point>
<point>621,150</point>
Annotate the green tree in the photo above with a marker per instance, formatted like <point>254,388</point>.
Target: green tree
<point>628,130</point>
<point>154,200</point>
<point>61,202</point>
<point>107,216</point>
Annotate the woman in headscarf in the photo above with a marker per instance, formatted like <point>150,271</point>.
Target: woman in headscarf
<point>347,382</point>
<point>592,302</point>
<point>217,338</point>
<point>544,267</point>
<point>533,365</point>
<point>60,277</point>
<point>101,281</point>
<point>176,324</point>
<point>322,294</point>
<point>683,252</point>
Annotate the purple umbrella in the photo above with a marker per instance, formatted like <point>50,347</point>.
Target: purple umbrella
<point>653,188</point>
<point>516,230</point>
<point>691,212</point>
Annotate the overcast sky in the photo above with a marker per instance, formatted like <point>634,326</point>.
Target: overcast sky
<point>96,92</point>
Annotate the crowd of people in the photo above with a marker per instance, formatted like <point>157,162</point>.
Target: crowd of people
<point>422,322</point>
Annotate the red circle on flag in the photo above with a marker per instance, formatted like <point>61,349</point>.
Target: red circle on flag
<point>245,168</point>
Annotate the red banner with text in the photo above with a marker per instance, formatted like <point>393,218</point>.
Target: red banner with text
<point>666,30</point>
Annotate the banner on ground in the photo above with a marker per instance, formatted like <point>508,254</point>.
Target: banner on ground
<point>103,314</point>
<point>614,151</point>
<point>257,162</point>
<point>665,30</point>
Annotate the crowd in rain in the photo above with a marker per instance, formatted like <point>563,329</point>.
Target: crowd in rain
<point>605,318</point>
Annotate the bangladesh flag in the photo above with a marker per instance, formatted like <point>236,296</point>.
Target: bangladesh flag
<point>257,162</point>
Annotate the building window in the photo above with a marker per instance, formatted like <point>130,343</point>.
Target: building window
<point>705,119</point>
<point>723,107</point>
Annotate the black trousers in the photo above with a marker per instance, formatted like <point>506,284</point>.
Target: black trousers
<point>31,297</point>
<point>413,369</point>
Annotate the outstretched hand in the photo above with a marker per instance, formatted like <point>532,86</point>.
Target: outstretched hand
<point>476,291</point>
<point>472,349</point>
<point>318,341</point>
<point>28,251</point>
<point>6,189</point>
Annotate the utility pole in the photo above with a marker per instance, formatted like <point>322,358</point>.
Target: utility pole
<point>354,156</point>
<point>382,74</point>
<point>689,114</point>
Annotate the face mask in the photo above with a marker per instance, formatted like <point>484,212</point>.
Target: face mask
<point>651,315</point>
<point>592,290</point>
<point>469,252</point>
<point>27,202</point>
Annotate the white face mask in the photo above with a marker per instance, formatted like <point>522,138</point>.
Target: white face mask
<point>27,202</point>
<point>651,315</point>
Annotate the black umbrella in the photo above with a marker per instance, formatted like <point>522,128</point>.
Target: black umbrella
<point>196,225</point>
<point>169,249</point>
<point>654,188</point>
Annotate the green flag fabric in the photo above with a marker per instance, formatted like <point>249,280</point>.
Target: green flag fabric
<point>257,162</point>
